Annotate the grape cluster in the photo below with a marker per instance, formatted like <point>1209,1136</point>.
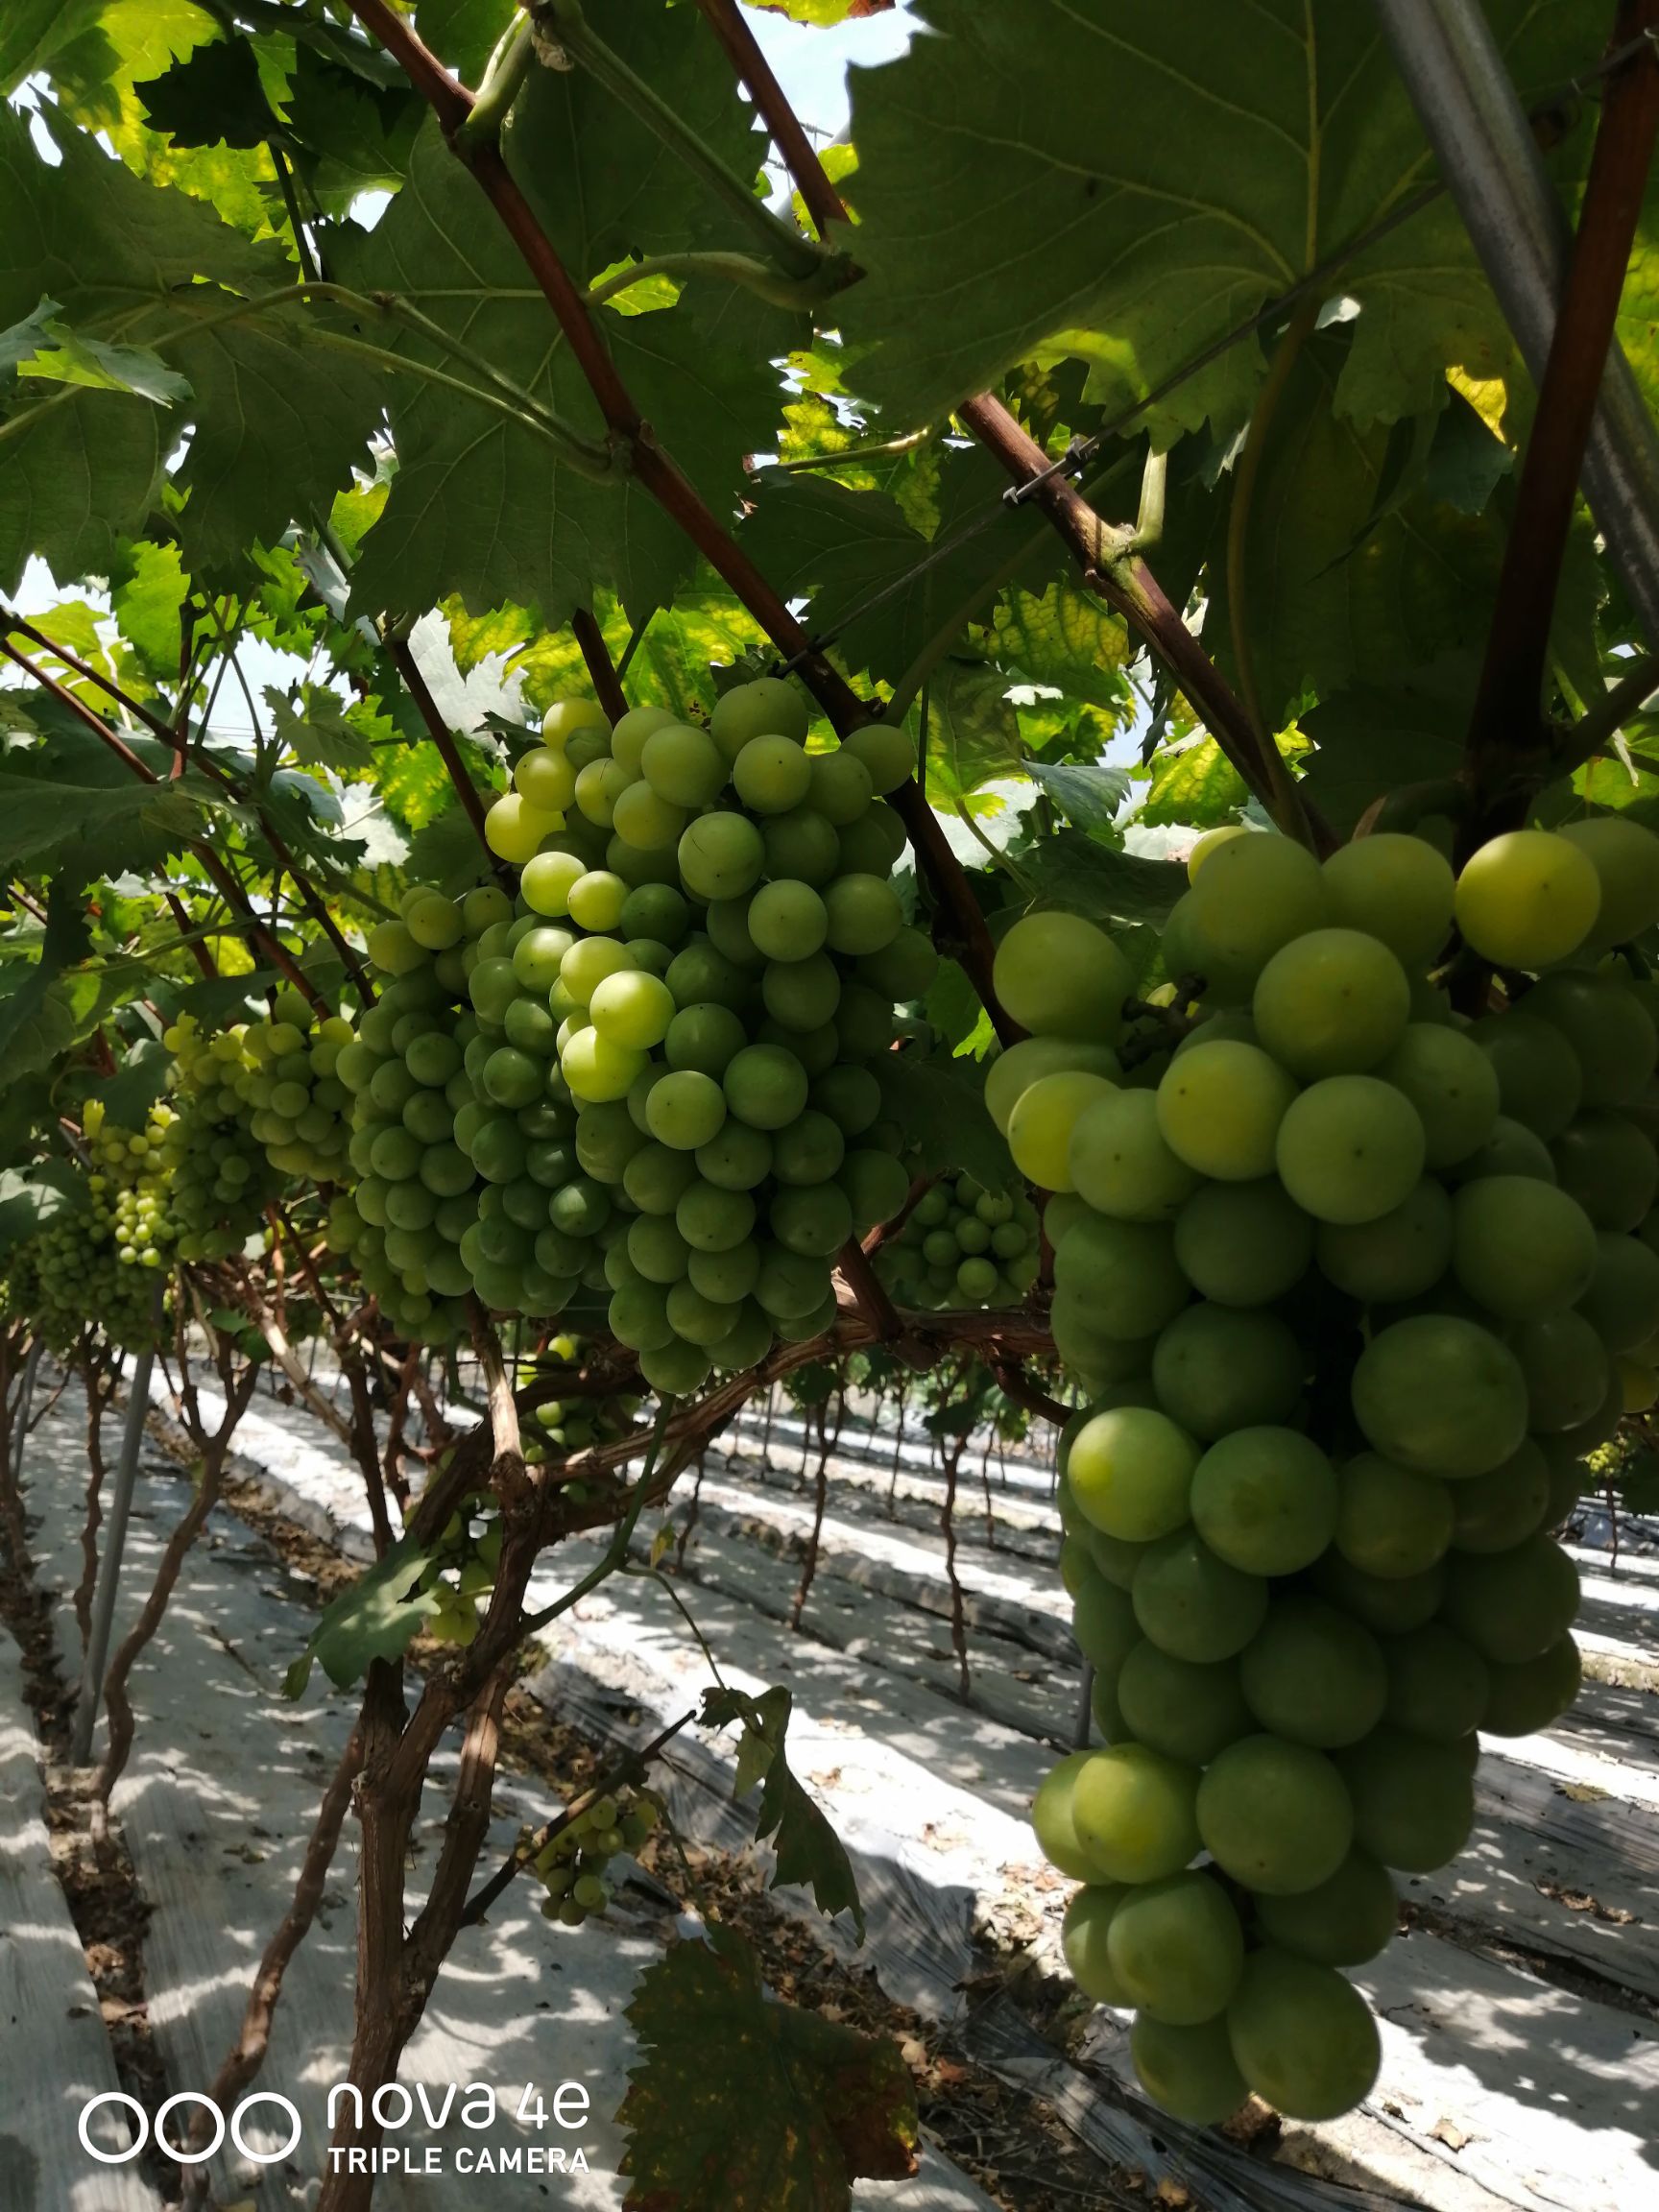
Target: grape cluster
<point>710,963</point>
<point>462,1570</point>
<point>963,1245</point>
<point>220,1179</point>
<point>95,1262</point>
<point>466,1180</point>
<point>573,1865</point>
<point>1355,1283</point>
<point>297,1104</point>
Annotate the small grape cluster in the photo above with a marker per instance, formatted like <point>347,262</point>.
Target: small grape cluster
<point>463,1569</point>
<point>1356,1282</point>
<point>573,1865</point>
<point>298,1107</point>
<point>462,1185</point>
<point>96,1260</point>
<point>714,955</point>
<point>963,1245</point>
<point>220,1180</point>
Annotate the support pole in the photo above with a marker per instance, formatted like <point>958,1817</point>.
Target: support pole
<point>114,1543</point>
<point>25,1400</point>
<point>1472,116</point>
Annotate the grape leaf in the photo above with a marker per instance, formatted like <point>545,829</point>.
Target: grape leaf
<point>1193,785</point>
<point>806,1848</point>
<point>29,1198</point>
<point>129,1095</point>
<point>1067,638</point>
<point>1106,885</point>
<point>45,348</point>
<point>463,31</point>
<point>34,32</point>
<point>1329,604</point>
<point>43,823</point>
<point>318,732</point>
<point>739,2104</point>
<point>447,853</point>
<point>376,1617</point>
<point>973,732</point>
<point>1375,737</point>
<point>145,598</point>
<point>1004,207</point>
<point>940,1102</point>
<point>493,513</point>
<point>1090,797</point>
<point>214,98</point>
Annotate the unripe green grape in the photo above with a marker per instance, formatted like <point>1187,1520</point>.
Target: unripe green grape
<point>802,995</point>
<point>1190,2072</point>
<point>546,780</point>
<point>686,1109</point>
<point>840,787</point>
<point>1452,1085</point>
<point>1521,1247</point>
<point>1133,1812</point>
<point>1058,976</point>
<point>888,754</point>
<point>1216,1369</point>
<point>1192,1604</point>
<point>767,706</point>
<point>1254,895</point>
<point>863,914</point>
<point>903,967</point>
<point>1332,1002</point>
<point>1626,859</point>
<point>1396,888</point>
<point>675,1368</point>
<point>596,899</point>
<point>801,844</point>
<point>547,881</point>
<point>1414,1799</point>
<point>1399,1255</point>
<point>645,820</point>
<point>1440,1395</point>
<point>1126,1272</point>
<point>787,922</point>
<point>737,1157</point>
<point>711,1219</point>
<point>1604,1162</point>
<point>1391,1522</point>
<point>771,775</point>
<point>1540,1082</point>
<point>1302,2037</point>
<point>1264,1499</point>
<point>1042,1119</point>
<point>628,738</point>
<point>721,856</point>
<point>1119,1162</point>
<point>1221,1107</point>
<point>1350,1149</point>
<point>514,831</point>
<point>1610,1031</point>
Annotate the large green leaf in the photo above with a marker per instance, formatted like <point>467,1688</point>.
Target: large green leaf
<point>1334,597</point>
<point>806,1848</point>
<point>490,513</point>
<point>1372,739</point>
<point>1129,183</point>
<point>34,32</point>
<point>376,1617</point>
<point>1089,877</point>
<point>43,823</point>
<point>738,2104</point>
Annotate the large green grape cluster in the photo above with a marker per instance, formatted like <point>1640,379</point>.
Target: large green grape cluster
<point>220,1179</point>
<point>298,1106</point>
<point>573,1865</point>
<point>466,1181</point>
<point>1355,1283</point>
<point>96,1260</point>
<point>709,964</point>
<point>963,1245</point>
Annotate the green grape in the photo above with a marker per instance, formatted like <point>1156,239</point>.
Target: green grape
<point>1343,1922</point>
<point>841,788</point>
<point>1125,1273</point>
<point>1391,1522</point>
<point>1190,2072</point>
<point>1314,1674</point>
<point>645,820</point>
<point>1058,976</point>
<point>1527,899</point>
<point>675,1368</point>
<point>816,1222</point>
<point>1414,1799</point>
<point>800,844</point>
<point>1333,1003</point>
<point>1350,1149</point>
<point>1103,1623</point>
<point>1529,1693</point>
<point>1440,1395</point>
<point>1604,1162</point>
<point>711,1219</point>
<point>1253,896</point>
<point>1176,1949</point>
<point>1015,1070</point>
<point>1119,1162</point>
<point>1626,863</point>
<point>1521,1247</point>
<point>1221,1106</point>
<point>1610,1031</point>
<point>1397,889</point>
<point>1302,2037</point>
<point>1128,1472</point>
<point>1391,1604</point>
<point>1495,1511</point>
<point>1437,1683</point>
<point>546,780</point>
<point>1540,1083</point>
<point>863,914</point>
<point>1265,1500</point>
<point>787,921</point>
<point>737,1157</point>
<point>767,706</point>
<point>721,856</point>
<point>1512,1605</point>
<point>877,1186</point>
<point>1134,1814</point>
<point>1399,1255</point>
<point>1622,1304</point>
<point>772,775</point>
<point>1183,1709</point>
<point>1242,1243</point>
<point>1453,1086</point>
<point>686,1109</point>
<point>632,1010</point>
<point>1216,1369</point>
<point>802,995</point>
<point>1566,1370</point>
<point>1192,1604</point>
<point>707,1038</point>
<point>903,968</point>
<point>888,754</point>
<point>1042,1119</point>
<point>1084,1934</point>
<point>765,1087</point>
<point>1274,1815</point>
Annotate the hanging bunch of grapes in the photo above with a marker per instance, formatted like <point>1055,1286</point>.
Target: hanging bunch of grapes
<point>221,1178</point>
<point>708,970</point>
<point>963,1245</point>
<point>1355,1283</point>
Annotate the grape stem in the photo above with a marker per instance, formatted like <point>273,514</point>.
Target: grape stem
<point>601,668</point>
<point>630,1769</point>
